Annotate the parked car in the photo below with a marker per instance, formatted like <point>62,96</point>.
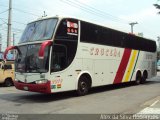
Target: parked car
<point>7,73</point>
<point>158,65</point>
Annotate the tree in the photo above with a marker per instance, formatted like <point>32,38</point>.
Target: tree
<point>157,6</point>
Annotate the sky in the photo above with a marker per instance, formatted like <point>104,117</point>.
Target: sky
<point>116,14</point>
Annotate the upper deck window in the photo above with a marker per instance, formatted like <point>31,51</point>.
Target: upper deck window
<point>39,30</point>
<point>91,33</point>
<point>67,30</point>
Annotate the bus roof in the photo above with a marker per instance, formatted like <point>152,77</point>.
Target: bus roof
<point>69,17</point>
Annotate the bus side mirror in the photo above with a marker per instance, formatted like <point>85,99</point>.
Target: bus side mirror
<point>10,48</point>
<point>42,48</point>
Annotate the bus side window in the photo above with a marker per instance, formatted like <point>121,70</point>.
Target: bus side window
<point>58,58</point>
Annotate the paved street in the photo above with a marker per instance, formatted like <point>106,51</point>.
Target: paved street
<point>126,98</point>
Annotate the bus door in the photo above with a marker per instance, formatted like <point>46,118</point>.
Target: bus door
<point>59,57</point>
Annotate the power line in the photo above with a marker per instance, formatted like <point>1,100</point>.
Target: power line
<point>3,11</point>
<point>97,12</point>
<point>14,21</point>
<point>92,11</point>
<point>3,29</point>
<point>4,22</point>
<point>19,23</point>
<point>4,6</point>
<point>102,12</point>
<point>82,8</point>
<point>15,29</point>
<point>27,9</point>
<point>19,10</point>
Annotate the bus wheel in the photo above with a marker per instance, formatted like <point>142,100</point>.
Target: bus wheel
<point>83,86</point>
<point>138,79</point>
<point>8,82</point>
<point>145,76</point>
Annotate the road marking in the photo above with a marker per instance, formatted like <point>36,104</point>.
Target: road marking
<point>149,110</point>
<point>154,103</point>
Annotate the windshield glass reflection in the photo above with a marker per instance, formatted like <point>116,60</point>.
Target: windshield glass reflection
<point>29,61</point>
<point>40,30</point>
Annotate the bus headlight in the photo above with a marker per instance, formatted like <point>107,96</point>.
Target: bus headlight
<point>41,81</point>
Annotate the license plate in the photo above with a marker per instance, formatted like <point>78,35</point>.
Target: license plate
<point>25,88</point>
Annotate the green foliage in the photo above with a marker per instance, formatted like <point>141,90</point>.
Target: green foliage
<point>157,6</point>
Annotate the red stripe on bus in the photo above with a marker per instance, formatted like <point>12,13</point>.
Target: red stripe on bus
<point>122,66</point>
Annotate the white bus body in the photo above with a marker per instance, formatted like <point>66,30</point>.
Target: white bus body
<point>92,65</point>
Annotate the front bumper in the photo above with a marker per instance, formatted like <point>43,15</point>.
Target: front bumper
<point>42,88</point>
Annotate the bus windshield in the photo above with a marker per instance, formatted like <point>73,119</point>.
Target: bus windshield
<point>29,61</point>
<point>39,30</point>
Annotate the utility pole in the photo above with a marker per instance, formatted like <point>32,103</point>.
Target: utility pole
<point>132,24</point>
<point>9,24</point>
<point>14,39</point>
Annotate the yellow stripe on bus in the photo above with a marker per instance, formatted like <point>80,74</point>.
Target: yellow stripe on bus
<point>131,66</point>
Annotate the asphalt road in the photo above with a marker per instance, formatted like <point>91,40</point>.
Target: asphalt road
<point>123,99</point>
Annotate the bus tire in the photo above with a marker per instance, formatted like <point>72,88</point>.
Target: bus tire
<point>144,77</point>
<point>8,82</point>
<point>138,78</point>
<point>83,86</point>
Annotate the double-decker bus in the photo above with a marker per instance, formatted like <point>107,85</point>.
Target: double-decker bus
<point>62,54</point>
